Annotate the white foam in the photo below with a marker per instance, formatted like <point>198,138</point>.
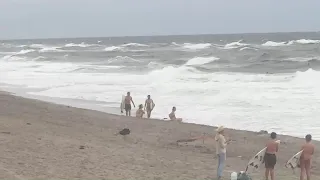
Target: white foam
<point>49,49</point>
<point>234,45</point>
<point>122,59</point>
<point>24,51</point>
<point>80,45</point>
<point>274,44</point>
<point>134,44</point>
<point>248,48</point>
<point>201,60</point>
<point>113,48</point>
<point>196,46</point>
<point>307,41</point>
<point>37,46</point>
<point>307,78</point>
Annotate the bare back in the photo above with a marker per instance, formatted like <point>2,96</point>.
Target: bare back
<point>272,147</point>
<point>308,150</point>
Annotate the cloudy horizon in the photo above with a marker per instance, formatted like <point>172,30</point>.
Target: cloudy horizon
<point>32,19</point>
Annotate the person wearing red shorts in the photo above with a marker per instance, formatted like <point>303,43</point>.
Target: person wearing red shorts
<point>305,158</point>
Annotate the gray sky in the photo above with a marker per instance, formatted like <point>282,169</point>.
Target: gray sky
<point>86,18</point>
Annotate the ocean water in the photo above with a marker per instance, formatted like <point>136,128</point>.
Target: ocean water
<point>243,81</point>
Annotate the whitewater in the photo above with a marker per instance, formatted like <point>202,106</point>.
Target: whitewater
<point>250,82</point>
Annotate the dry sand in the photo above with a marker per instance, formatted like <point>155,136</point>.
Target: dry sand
<point>41,140</point>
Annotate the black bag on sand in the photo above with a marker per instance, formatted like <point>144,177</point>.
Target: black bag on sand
<point>243,176</point>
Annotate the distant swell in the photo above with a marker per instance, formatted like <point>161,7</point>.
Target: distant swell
<point>113,48</point>
<point>80,45</point>
<point>196,46</point>
<point>288,43</point>
<point>274,44</point>
<point>234,45</point>
<point>201,60</point>
<point>134,44</point>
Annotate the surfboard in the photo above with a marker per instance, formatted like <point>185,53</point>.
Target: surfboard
<point>294,161</point>
<point>257,160</point>
<point>122,103</point>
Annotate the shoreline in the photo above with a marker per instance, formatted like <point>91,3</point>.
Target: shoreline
<point>88,105</point>
<point>43,140</point>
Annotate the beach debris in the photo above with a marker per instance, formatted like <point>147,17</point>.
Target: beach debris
<point>124,132</point>
<point>186,140</point>
<point>81,147</point>
<point>263,132</point>
<point>6,132</point>
<point>28,123</point>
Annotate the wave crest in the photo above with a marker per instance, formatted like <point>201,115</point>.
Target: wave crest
<point>201,60</point>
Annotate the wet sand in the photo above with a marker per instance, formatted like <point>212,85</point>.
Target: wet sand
<point>42,140</point>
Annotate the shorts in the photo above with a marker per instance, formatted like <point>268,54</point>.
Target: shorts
<point>127,107</point>
<point>270,160</point>
<point>148,109</point>
<point>305,164</point>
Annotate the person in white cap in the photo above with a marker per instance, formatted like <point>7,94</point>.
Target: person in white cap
<point>221,148</point>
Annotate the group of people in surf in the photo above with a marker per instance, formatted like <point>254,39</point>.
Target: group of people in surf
<point>270,158</point>
<point>148,107</point>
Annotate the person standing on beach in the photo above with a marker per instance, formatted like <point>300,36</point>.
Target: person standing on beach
<point>270,158</point>
<point>172,115</point>
<point>305,158</point>
<point>149,105</point>
<point>221,149</point>
<point>127,104</point>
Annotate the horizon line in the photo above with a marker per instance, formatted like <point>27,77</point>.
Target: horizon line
<point>164,35</point>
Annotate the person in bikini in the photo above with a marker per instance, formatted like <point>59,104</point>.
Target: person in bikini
<point>149,105</point>
<point>127,104</point>
<point>140,112</point>
<point>305,158</point>
<point>172,115</point>
<point>270,158</point>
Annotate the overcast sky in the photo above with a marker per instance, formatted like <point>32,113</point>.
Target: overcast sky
<point>87,18</point>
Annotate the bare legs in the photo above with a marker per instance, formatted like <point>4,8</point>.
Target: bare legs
<point>269,171</point>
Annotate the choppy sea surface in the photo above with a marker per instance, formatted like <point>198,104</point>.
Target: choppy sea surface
<point>243,81</point>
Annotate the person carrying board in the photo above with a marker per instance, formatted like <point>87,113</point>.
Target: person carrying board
<point>270,158</point>
<point>305,158</point>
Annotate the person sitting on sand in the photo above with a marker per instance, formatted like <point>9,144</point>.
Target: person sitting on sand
<point>140,112</point>
<point>172,115</point>
<point>149,105</point>
<point>127,104</point>
<point>270,158</point>
<point>305,158</point>
<point>221,149</point>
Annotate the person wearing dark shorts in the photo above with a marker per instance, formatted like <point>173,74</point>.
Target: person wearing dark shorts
<point>270,158</point>
<point>127,104</point>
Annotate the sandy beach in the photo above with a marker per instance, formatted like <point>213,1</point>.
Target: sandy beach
<point>42,140</point>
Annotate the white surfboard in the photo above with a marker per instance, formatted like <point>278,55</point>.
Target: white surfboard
<point>122,103</point>
<point>257,160</point>
<point>294,161</point>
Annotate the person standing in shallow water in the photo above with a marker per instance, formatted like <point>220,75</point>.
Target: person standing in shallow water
<point>221,150</point>
<point>270,158</point>
<point>127,104</point>
<point>149,105</point>
<point>305,158</point>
